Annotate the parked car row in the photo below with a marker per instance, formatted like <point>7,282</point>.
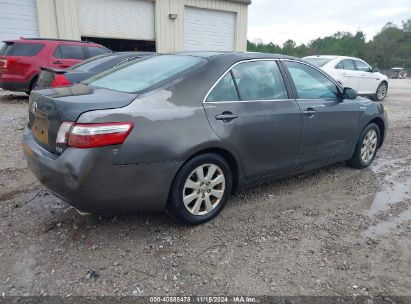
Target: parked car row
<point>182,132</point>
<point>21,60</point>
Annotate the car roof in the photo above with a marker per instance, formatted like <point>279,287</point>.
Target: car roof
<point>333,57</point>
<point>236,55</point>
<point>323,56</point>
<point>47,40</point>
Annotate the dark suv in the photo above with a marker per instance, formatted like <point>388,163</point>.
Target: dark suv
<point>20,60</point>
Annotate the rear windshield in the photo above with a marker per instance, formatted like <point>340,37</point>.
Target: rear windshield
<point>142,74</point>
<point>319,62</point>
<point>21,49</point>
<point>95,64</point>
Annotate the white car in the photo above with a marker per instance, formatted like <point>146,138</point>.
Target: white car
<point>353,73</point>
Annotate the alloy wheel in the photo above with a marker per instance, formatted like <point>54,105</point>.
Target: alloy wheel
<point>382,91</point>
<point>369,146</point>
<point>204,189</point>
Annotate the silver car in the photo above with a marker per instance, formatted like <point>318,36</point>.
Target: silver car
<point>184,131</point>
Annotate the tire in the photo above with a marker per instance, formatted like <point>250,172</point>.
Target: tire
<point>32,85</point>
<point>381,92</point>
<point>192,199</point>
<point>366,147</point>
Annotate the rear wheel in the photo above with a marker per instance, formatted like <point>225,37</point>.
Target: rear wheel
<point>33,84</point>
<point>381,92</point>
<point>200,189</point>
<point>366,147</point>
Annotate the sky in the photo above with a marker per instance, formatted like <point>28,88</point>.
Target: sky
<point>304,20</point>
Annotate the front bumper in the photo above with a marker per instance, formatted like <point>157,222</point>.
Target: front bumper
<point>88,180</point>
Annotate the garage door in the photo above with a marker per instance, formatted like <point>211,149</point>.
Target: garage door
<point>123,19</point>
<point>18,18</point>
<point>208,30</point>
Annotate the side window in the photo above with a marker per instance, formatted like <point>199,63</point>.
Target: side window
<point>259,80</point>
<point>94,51</point>
<point>224,90</point>
<point>69,52</point>
<point>310,83</point>
<point>362,66</point>
<point>340,66</point>
<point>348,64</point>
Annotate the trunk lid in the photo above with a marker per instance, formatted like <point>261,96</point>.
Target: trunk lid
<point>47,76</point>
<point>50,107</point>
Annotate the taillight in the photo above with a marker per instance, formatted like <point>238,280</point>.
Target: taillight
<point>8,62</point>
<point>93,135</point>
<point>60,81</point>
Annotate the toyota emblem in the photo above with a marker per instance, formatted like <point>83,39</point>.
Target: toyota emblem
<point>34,107</point>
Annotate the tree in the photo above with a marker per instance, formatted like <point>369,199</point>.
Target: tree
<point>391,46</point>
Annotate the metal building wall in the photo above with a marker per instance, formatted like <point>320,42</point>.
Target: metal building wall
<point>59,19</point>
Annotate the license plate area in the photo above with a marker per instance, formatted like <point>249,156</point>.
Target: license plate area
<point>40,128</point>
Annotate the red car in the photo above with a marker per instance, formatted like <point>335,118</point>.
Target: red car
<point>20,60</point>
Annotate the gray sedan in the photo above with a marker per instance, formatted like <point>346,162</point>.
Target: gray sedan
<point>182,132</point>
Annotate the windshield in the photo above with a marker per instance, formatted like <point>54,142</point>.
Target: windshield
<point>142,74</point>
<point>318,61</point>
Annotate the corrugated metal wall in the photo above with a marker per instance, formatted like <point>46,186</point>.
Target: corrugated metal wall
<point>170,32</point>
<point>59,19</point>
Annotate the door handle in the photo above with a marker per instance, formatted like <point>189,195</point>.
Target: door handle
<point>226,116</point>
<point>57,62</point>
<point>310,112</point>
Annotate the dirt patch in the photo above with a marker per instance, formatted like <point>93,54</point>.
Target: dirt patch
<point>334,231</point>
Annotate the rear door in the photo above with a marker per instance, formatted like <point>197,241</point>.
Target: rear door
<point>66,55</point>
<point>330,124</point>
<point>250,109</point>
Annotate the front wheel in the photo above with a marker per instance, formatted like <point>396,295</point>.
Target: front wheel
<point>366,147</point>
<point>200,189</point>
<point>381,92</point>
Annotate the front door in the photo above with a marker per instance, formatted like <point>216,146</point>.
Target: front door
<point>347,74</point>
<point>369,81</point>
<point>250,110</point>
<point>330,124</point>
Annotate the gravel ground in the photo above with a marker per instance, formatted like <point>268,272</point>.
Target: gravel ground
<point>334,231</point>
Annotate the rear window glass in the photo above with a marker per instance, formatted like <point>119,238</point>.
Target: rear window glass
<point>69,52</point>
<point>94,51</point>
<point>93,64</point>
<point>4,47</point>
<point>21,49</point>
<point>142,74</point>
<point>101,63</point>
<point>318,62</point>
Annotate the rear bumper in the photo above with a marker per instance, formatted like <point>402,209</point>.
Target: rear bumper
<point>15,86</point>
<point>87,179</point>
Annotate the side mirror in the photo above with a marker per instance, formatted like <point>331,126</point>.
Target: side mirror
<point>374,70</point>
<point>349,93</point>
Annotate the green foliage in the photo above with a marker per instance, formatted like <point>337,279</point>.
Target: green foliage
<point>390,47</point>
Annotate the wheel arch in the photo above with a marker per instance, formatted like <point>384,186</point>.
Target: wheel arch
<point>231,159</point>
<point>381,125</point>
